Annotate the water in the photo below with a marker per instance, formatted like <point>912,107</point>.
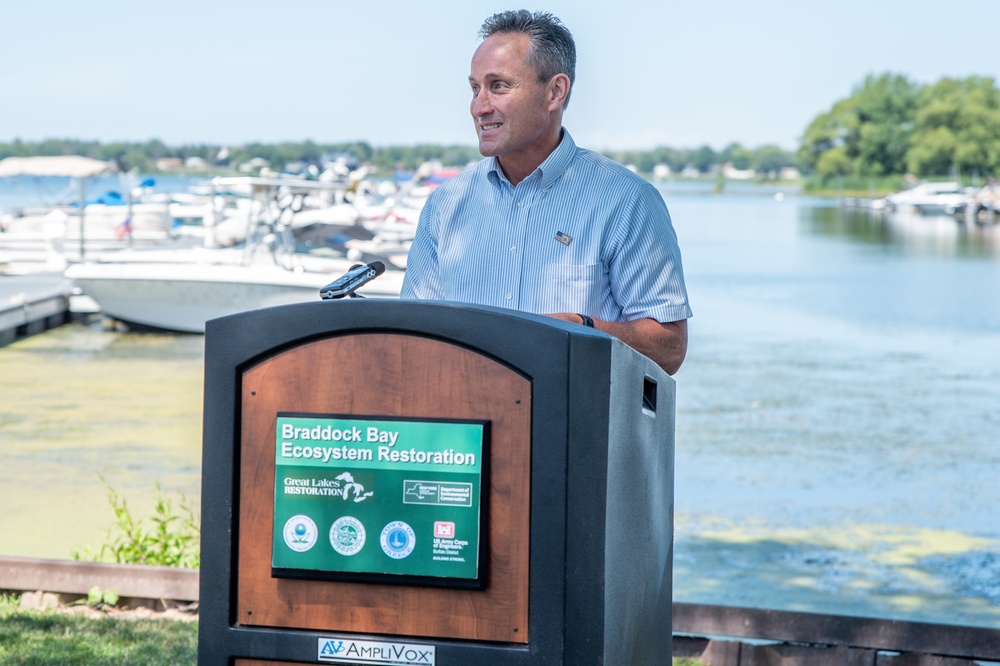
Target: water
<point>27,191</point>
<point>836,420</point>
<point>82,408</point>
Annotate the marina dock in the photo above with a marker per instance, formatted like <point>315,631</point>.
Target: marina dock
<point>31,304</point>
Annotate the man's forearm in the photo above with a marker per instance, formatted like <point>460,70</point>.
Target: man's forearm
<point>664,343</point>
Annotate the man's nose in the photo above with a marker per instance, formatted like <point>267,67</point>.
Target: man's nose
<point>481,104</point>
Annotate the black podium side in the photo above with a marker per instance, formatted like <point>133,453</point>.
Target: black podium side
<point>601,507</point>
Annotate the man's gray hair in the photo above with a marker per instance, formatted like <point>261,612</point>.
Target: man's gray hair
<point>552,48</point>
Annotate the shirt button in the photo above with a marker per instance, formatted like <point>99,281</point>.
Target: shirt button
<point>520,204</point>
<point>510,296</point>
<point>513,248</point>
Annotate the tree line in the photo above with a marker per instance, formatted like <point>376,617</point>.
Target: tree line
<point>891,125</point>
<point>887,126</point>
<point>146,156</point>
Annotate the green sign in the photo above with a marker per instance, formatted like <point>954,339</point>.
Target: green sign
<point>378,498</point>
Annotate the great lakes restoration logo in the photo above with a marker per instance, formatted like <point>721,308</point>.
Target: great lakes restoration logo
<point>348,651</point>
<point>398,539</point>
<point>300,533</point>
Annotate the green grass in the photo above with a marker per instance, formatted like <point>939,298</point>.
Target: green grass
<point>50,638</point>
<point>36,638</point>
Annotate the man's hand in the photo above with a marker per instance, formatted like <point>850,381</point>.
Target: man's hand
<point>665,343</point>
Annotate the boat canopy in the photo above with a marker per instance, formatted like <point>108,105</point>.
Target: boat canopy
<point>74,166</point>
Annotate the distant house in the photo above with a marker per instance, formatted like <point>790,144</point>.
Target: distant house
<point>789,173</point>
<point>732,173</point>
<point>169,164</point>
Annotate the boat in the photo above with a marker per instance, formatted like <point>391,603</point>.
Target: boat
<point>180,287</point>
<point>184,289</point>
<point>931,197</point>
<point>986,203</point>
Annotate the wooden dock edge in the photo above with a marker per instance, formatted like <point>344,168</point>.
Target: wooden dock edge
<point>713,635</point>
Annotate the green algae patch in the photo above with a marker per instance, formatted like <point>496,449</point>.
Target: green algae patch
<point>875,570</point>
<point>80,404</point>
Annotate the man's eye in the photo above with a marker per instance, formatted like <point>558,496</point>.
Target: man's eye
<point>499,85</point>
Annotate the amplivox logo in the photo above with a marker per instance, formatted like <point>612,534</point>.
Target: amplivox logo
<point>348,651</point>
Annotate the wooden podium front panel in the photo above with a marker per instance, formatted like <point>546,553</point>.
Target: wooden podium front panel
<point>384,374</point>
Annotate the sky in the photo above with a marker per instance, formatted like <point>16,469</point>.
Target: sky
<point>649,72</point>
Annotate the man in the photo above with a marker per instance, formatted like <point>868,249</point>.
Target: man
<point>544,226</point>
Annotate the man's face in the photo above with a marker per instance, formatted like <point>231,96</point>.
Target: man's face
<point>511,109</point>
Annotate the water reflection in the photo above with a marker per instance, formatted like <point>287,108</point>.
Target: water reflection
<point>937,235</point>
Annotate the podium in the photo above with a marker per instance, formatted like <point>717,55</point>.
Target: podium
<point>424,483</point>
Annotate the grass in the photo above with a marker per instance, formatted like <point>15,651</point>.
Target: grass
<point>36,638</point>
<point>50,638</point>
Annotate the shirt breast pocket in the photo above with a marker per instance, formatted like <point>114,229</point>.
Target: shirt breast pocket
<point>574,288</point>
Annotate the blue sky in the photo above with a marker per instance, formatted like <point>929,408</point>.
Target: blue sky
<point>390,72</point>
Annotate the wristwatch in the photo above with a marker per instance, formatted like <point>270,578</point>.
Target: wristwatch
<point>587,321</point>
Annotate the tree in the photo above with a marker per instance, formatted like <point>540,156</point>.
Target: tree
<point>957,126</point>
<point>770,159</point>
<point>869,130</point>
<point>890,125</point>
<point>703,158</point>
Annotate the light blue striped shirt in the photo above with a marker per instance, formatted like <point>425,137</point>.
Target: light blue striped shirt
<point>580,234</point>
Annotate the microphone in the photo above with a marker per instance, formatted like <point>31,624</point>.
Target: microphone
<point>352,280</point>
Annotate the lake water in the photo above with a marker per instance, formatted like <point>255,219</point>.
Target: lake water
<point>26,191</point>
<point>838,424</point>
<point>837,415</point>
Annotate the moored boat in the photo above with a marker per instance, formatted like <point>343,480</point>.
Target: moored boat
<point>931,197</point>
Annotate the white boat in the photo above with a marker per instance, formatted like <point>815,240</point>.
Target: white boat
<point>183,290</point>
<point>180,288</point>
<point>40,238</point>
<point>941,197</point>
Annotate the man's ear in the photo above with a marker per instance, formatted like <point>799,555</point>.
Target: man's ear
<point>558,91</point>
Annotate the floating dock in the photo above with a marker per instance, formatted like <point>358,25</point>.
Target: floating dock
<point>34,303</point>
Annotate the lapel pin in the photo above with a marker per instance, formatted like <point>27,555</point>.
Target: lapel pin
<point>563,238</point>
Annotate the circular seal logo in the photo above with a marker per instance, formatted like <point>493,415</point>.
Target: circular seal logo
<point>300,533</point>
<point>347,535</point>
<point>398,539</point>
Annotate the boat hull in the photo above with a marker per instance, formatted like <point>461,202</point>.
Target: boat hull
<point>182,298</point>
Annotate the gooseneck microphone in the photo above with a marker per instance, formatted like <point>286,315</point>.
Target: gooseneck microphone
<point>352,280</point>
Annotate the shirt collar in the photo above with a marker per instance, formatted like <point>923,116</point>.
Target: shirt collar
<point>553,166</point>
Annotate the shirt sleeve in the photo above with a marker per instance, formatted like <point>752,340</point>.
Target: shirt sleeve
<point>422,279</point>
<point>647,278</point>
